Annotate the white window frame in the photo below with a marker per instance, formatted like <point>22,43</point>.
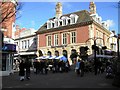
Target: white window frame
<point>56,39</point>
<point>73,16</point>
<point>28,43</point>
<point>56,23</point>
<point>63,42</point>
<point>64,21</point>
<point>25,42</point>
<point>22,44</point>
<point>73,37</point>
<point>49,24</point>
<point>48,41</point>
<point>35,41</point>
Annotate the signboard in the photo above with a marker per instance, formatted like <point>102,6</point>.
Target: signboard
<point>9,47</point>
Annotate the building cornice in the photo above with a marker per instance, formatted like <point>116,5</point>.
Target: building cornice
<point>25,37</point>
<point>100,26</point>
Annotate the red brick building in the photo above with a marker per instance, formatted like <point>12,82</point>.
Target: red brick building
<point>71,31</point>
<point>8,17</point>
<point>7,27</point>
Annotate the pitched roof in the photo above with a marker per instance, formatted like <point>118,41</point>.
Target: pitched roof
<point>83,19</point>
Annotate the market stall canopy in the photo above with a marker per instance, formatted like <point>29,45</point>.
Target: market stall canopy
<point>100,56</point>
<point>41,57</point>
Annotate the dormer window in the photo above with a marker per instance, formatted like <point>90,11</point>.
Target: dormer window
<point>56,23</point>
<point>68,21</point>
<point>60,23</point>
<point>64,21</point>
<point>49,24</point>
<point>105,25</point>
<point>74,18</point>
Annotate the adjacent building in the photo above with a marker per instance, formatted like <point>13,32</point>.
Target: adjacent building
<point>73,30</point>
<point>7,28</point>
<point>26,43</point>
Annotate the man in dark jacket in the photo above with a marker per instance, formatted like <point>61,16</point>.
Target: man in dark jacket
<point>22,70</point>
<point>82,65</point>
<point>28,64</point>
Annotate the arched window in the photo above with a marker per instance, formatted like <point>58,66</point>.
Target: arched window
<point>74,18</point>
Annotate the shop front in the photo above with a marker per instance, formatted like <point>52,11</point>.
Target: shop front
<point>8,51</point>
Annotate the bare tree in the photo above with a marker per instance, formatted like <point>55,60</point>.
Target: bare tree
<point>9,10</point>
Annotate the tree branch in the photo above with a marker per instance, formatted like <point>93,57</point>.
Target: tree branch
<point>9,11</point>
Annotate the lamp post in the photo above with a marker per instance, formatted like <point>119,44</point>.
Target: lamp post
<point>118,44</point>
<point>95,47</point>
<point>116,81</point>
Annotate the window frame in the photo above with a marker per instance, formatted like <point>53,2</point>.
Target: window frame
<point>64,20</point>
<point>63,41</point>
<point>49,24</point>
<point>48,40</point>
<point>73,17</point>
<point>56,39</point>
<point>73,38</point>
<point>22,44</point>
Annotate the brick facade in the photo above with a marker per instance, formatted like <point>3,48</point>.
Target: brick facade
<point>7,24</point>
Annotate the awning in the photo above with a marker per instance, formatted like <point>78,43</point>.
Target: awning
<point>42,57</point>
<point>26,53</point>
<point>100,56</point>
<point>48,57</point>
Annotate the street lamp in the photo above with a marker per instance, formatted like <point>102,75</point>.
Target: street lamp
<point>118,46</point>
<point>116,81</point>
<point>95,47</point>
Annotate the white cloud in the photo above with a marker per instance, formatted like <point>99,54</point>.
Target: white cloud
<point>110,23</point>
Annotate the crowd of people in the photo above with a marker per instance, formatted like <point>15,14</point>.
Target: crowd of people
<point>61,64</point>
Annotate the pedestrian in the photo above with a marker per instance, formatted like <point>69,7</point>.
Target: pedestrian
<point>100,66</point>
<point>82,66</point>
<point>22,70</point>
<point>73,56</point>
<point>77,67</point>
<point>55,62</point>
<point>49,61</point>
<point>28,65</point>
<point>64,61</point>
<point>37,66</point>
